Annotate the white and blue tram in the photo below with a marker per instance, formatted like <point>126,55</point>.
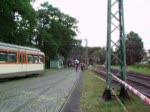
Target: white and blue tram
<point>20,61</point>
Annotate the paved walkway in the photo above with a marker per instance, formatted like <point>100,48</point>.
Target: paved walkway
<point>73,103</point>
<point>47,93</point>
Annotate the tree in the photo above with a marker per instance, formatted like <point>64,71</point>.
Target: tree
<point>17,21</point>
<point>100,55</point>
<point>134,48</point>
<point>55,31</point>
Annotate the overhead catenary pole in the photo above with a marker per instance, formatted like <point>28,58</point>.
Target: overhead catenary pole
<point>115,31</point>
<point>86,55</point>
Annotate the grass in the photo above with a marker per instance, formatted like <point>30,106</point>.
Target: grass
<point>139,70</point>
<point>136,105</point>
<point>143,70</point>
<point>93,89</point>
<point>91,96</point>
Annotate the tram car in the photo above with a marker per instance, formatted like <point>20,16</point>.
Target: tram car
<point>17,61</point>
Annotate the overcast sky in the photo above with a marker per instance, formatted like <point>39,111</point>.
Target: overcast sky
<point>92,17</point>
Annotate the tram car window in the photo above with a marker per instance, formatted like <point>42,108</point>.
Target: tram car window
<point>3,57</point>
<point>41,59</point>
<point>12,57</point>
<point>36,59</point>
<point>30,59</point>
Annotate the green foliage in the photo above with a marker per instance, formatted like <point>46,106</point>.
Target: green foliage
<point>100,54</point>
<point>134,48</point>
<point>17,21</point>
<point>55,31</point>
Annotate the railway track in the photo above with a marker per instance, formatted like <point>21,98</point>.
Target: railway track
<point>140,82</point>
<point>45,93</point>
<point>38,95</point>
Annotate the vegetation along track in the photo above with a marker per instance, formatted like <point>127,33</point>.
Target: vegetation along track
<point>138,81</point>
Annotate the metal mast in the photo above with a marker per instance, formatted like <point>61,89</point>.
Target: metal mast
<point>115,41</point>
<point>86,54</point>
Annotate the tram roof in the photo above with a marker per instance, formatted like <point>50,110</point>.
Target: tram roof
<point>6,46</point>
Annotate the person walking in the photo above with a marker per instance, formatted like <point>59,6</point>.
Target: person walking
<point>76,64</point>
<point>82,66</point>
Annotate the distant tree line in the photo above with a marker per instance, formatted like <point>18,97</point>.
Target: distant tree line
<point>134,51</point>
<point>47,28</point>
